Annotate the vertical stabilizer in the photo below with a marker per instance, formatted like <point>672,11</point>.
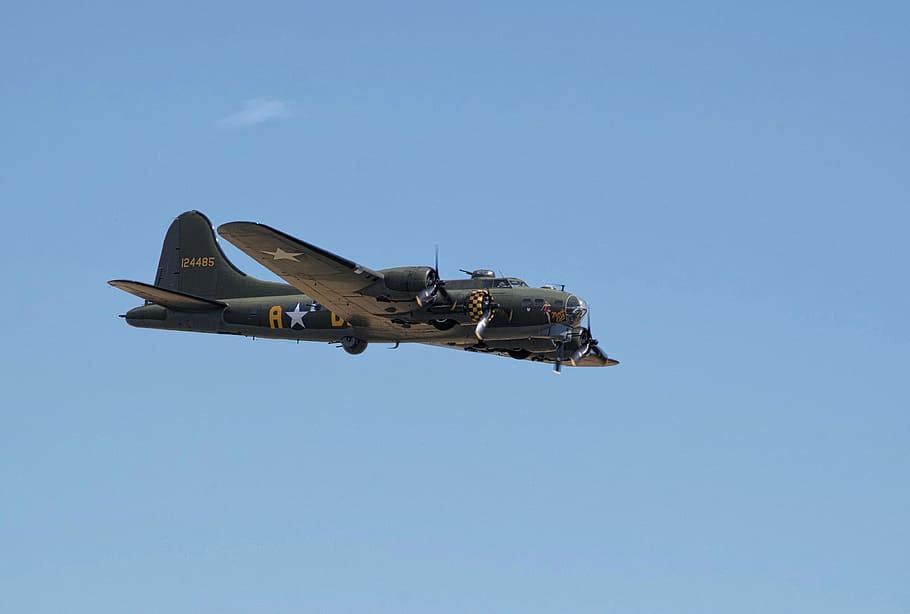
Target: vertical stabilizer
<point>192,262</point>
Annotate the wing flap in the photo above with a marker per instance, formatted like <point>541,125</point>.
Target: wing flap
<point>178,301</point>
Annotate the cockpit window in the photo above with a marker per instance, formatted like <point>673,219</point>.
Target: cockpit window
<point>502,283</point>
<point>517,283</point>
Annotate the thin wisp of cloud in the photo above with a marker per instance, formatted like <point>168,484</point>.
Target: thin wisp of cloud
<point>257,111</point>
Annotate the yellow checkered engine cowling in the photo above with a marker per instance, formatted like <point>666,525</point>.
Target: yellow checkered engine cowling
<point>476,303</point>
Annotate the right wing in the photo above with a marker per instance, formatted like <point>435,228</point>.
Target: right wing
<point>334,282</point>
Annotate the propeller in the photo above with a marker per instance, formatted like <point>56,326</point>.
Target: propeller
<point>436,284</point>
<point>430,291</point>
<point>482,324</point>
<point>488,311</point>
<point>560,348</point>
<point>585,348</point>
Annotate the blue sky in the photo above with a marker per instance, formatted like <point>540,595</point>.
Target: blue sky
<point>726,185</point>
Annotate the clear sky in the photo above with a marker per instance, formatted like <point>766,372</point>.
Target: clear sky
<point>727,186</point>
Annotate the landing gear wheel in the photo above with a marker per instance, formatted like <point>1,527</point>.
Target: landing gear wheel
<point>353,345</point>
<point>444,324</point>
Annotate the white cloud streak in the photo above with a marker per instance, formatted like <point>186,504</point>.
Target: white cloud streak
<point>257,111</point>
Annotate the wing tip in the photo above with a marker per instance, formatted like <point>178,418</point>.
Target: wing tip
<point>228,227</point>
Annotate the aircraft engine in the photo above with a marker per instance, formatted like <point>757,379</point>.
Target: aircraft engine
<point>410,280</point>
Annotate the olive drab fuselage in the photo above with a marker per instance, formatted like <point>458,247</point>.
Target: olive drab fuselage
<point>274,316</point>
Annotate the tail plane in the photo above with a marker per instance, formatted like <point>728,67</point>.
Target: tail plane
<point>193,272</point>
<point>178,301</point>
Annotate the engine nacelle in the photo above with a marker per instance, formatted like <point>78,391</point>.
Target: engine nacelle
<point>409,280</point>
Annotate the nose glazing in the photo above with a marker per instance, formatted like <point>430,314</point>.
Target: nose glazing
<point>576,308</point>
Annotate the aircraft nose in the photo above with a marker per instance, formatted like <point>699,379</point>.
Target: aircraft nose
<point>576,308</point>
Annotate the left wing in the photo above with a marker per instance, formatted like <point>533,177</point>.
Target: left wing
<point>594,358</point>
<point>334,282</point>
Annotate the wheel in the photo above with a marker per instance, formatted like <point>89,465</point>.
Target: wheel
<point>444,324</point>
<point>353,345</point>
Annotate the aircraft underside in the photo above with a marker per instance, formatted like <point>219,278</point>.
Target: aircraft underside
<point>535,343</point>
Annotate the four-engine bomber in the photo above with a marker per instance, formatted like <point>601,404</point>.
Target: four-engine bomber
<point>332,299</point>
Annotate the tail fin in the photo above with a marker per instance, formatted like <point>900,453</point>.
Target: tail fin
<point>192,263</point>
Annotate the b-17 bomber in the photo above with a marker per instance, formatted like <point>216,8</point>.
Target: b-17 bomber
<point>331,299</point>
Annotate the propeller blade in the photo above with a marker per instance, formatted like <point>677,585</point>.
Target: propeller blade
<point>584,346</point>
<point>424,295</point>
<point>482,324</point>
<point>579,354</point>
<point>429,292</point>
<point>591,340</point>
<point>559,350</point>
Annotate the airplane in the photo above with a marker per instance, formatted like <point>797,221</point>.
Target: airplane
<point>331,299</point>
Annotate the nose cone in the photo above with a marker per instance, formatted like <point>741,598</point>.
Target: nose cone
<point>576,308</point>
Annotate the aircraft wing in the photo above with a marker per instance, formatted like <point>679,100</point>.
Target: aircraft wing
<point>334,282</point>
<point>595,358</point>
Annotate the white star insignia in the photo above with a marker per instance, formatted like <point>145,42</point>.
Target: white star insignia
<point>296,316</point>
<point>280,254</point>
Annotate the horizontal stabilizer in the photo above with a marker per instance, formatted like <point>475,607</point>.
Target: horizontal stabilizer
<point>171,299</point>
